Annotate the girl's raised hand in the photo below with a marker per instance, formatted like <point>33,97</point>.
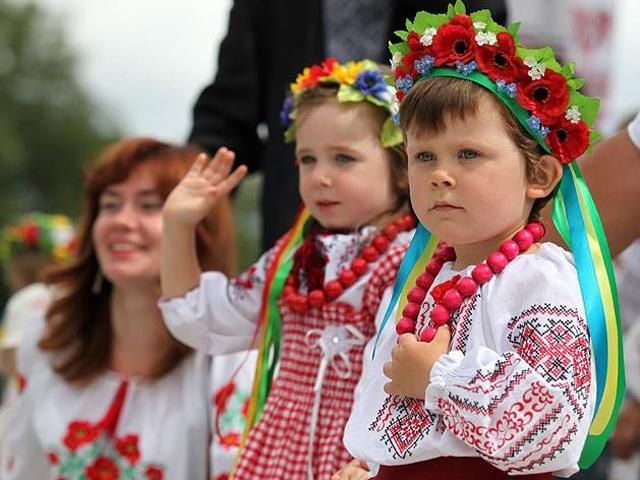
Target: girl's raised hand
<point>354,470</point>
<point>411,360</point>
<point>205,182</point>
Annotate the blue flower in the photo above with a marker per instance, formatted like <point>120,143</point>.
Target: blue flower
<point>285,113</point>
<point>534,123</point>
<point>509,88</point>
<point>466,68</point>
<point>371,82</point>
<point>404,83</point>
<point>424,64</point>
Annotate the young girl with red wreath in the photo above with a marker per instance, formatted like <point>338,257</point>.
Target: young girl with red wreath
<point>505,358</point>
<point>325,278</point>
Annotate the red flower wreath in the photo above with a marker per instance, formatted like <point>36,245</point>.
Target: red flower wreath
<point>568,140</point>
<point>454,42</point>
<point>546,98</point>
<point>500,62</point>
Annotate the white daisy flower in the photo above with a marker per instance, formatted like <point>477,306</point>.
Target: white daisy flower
<point>427,37</point>
<point>536,70</point>
<point>486,38</point>
<point>573,114</point>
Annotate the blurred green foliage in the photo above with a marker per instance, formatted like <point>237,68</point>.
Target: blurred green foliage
<point>49,126</point>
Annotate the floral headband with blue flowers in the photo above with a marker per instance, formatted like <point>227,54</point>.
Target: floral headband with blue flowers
<point>542,94</point>
<point>357,82</point>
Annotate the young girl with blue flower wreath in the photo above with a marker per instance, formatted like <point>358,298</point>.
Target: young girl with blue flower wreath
<point>310,301</point>
<point>506,356</point>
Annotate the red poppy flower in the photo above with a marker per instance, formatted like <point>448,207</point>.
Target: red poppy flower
<point>546,98</point>
<point>30,234</point>
<point>153,472</point>
<point>79,432</point>
<point>454,41</point>
<point>568,140</point>
<point>53,458</point>
<point>102,468</point>
<point>500,62</point>
<point>127,447</point>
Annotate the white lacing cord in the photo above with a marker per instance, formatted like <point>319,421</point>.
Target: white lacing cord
<point>335,341</point>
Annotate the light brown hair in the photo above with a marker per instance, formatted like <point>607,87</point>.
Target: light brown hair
<point>397,156</point>
<point>432,101</point>
<point>79,328</point>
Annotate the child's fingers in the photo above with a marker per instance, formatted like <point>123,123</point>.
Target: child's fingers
<point>230,182</point>
<point>443,335</point>
<point>220,165</point>
<point>198,164</point>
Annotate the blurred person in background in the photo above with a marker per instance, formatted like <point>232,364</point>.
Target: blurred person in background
<point>109,393</point>
<point>28,246</point>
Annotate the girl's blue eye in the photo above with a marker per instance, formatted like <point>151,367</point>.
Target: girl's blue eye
<point>343,158</point>
<point>306,159</point>
<point>468,154</point>
<point>425,156</point>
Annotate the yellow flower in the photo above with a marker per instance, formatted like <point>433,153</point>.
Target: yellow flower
<point>347,74</point>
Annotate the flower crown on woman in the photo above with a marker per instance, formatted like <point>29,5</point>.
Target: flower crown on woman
<point>50,235</point>
<point>356,82</point>
<point>542,94</point>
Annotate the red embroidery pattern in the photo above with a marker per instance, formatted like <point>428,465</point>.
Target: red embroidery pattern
<point>404,422</point>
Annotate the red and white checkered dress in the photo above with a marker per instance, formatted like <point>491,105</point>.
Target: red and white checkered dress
<point>219,316</point>
<point>278,446</point>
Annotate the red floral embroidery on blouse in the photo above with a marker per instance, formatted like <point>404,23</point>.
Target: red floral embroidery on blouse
<point>230,440</point>
<point>127,446</point>
<point>79,433</point>
<point>103,468</point>
<point>53,458</point>
<point>153,472</point>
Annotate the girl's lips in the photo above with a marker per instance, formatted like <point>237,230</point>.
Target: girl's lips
<point>445,206</point>
<point>326,204</point>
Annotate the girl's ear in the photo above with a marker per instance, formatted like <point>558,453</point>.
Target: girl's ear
<point>547,175</point>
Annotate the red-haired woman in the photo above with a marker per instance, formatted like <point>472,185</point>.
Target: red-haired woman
<point>109,393</point>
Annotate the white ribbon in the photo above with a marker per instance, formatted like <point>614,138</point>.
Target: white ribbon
<point>335,341</point>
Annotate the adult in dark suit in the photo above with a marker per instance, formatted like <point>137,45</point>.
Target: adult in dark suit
<point>267,44</point>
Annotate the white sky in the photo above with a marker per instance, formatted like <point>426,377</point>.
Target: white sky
<point>145,61</point>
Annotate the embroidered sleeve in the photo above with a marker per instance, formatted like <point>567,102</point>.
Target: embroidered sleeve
<point>220,314</point>
<point>525,409</point>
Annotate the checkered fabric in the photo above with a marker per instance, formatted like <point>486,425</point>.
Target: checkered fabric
<point>277,447</point>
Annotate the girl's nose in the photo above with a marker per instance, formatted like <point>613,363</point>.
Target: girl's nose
<point>442,178</point>
<point>322,175</point>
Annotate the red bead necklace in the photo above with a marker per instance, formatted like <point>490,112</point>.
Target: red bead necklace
<point>316,298</point>
<point>449,295</point>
